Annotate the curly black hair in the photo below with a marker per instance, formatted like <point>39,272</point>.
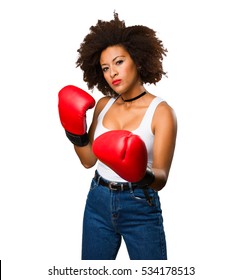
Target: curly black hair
<point>139,41</point>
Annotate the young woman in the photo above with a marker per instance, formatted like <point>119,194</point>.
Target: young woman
<point>119,61</point>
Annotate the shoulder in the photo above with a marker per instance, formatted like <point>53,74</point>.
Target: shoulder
<point>98,108</point>
<point>164,116</point>
<point>101,104</point>
<point>103,101</point>
<point>163,108</point>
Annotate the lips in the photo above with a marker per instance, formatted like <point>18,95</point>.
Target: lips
<point>116,82</point>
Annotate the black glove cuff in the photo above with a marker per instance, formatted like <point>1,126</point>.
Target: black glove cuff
<point>78,140</point>
<point>148,179</point>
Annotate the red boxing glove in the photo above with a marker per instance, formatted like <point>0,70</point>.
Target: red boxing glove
<point>124,152</point>
<point>73,104</point>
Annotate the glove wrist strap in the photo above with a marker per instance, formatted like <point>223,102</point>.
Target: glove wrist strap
<point>148,179</point>
<point>78,140</point>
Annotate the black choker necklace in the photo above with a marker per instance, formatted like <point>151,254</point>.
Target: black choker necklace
<point>134,98</point>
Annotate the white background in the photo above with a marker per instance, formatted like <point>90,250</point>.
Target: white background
<point>44,187</point>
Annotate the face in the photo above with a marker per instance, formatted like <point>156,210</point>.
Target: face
<point>119,69</point>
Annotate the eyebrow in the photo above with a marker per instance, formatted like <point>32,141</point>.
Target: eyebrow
<point>113,59</point>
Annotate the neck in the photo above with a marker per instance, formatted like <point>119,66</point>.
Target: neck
<point>133,98</point>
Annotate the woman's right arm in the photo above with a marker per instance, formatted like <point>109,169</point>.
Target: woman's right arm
<point>85,154</point>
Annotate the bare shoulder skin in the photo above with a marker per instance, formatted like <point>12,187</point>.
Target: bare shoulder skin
<point>164,127</point>
<point>85,153</point>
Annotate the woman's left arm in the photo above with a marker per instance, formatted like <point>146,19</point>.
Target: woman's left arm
<point>164,127</point>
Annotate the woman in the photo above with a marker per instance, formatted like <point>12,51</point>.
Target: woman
<point>119,60</point>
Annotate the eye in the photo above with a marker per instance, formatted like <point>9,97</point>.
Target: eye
<point>105,69</point>
<point>120,61</point>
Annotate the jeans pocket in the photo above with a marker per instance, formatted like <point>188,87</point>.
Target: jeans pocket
<point>93,185</point>
<point>146,196</point>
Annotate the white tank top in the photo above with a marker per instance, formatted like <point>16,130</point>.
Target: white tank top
<point>144,131</point>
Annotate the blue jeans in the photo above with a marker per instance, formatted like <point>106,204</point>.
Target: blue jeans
<point>110,215</point>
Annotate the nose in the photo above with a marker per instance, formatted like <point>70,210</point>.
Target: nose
<point>113,72</point>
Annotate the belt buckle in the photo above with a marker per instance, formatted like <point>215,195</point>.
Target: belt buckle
<point>111,186</point>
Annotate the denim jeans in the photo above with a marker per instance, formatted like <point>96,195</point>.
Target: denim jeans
<point>111,215</point>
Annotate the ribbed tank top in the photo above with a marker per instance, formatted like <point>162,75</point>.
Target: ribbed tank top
<point>144,131</point>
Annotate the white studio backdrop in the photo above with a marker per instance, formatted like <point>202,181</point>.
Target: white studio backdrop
<point>43,185</point>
